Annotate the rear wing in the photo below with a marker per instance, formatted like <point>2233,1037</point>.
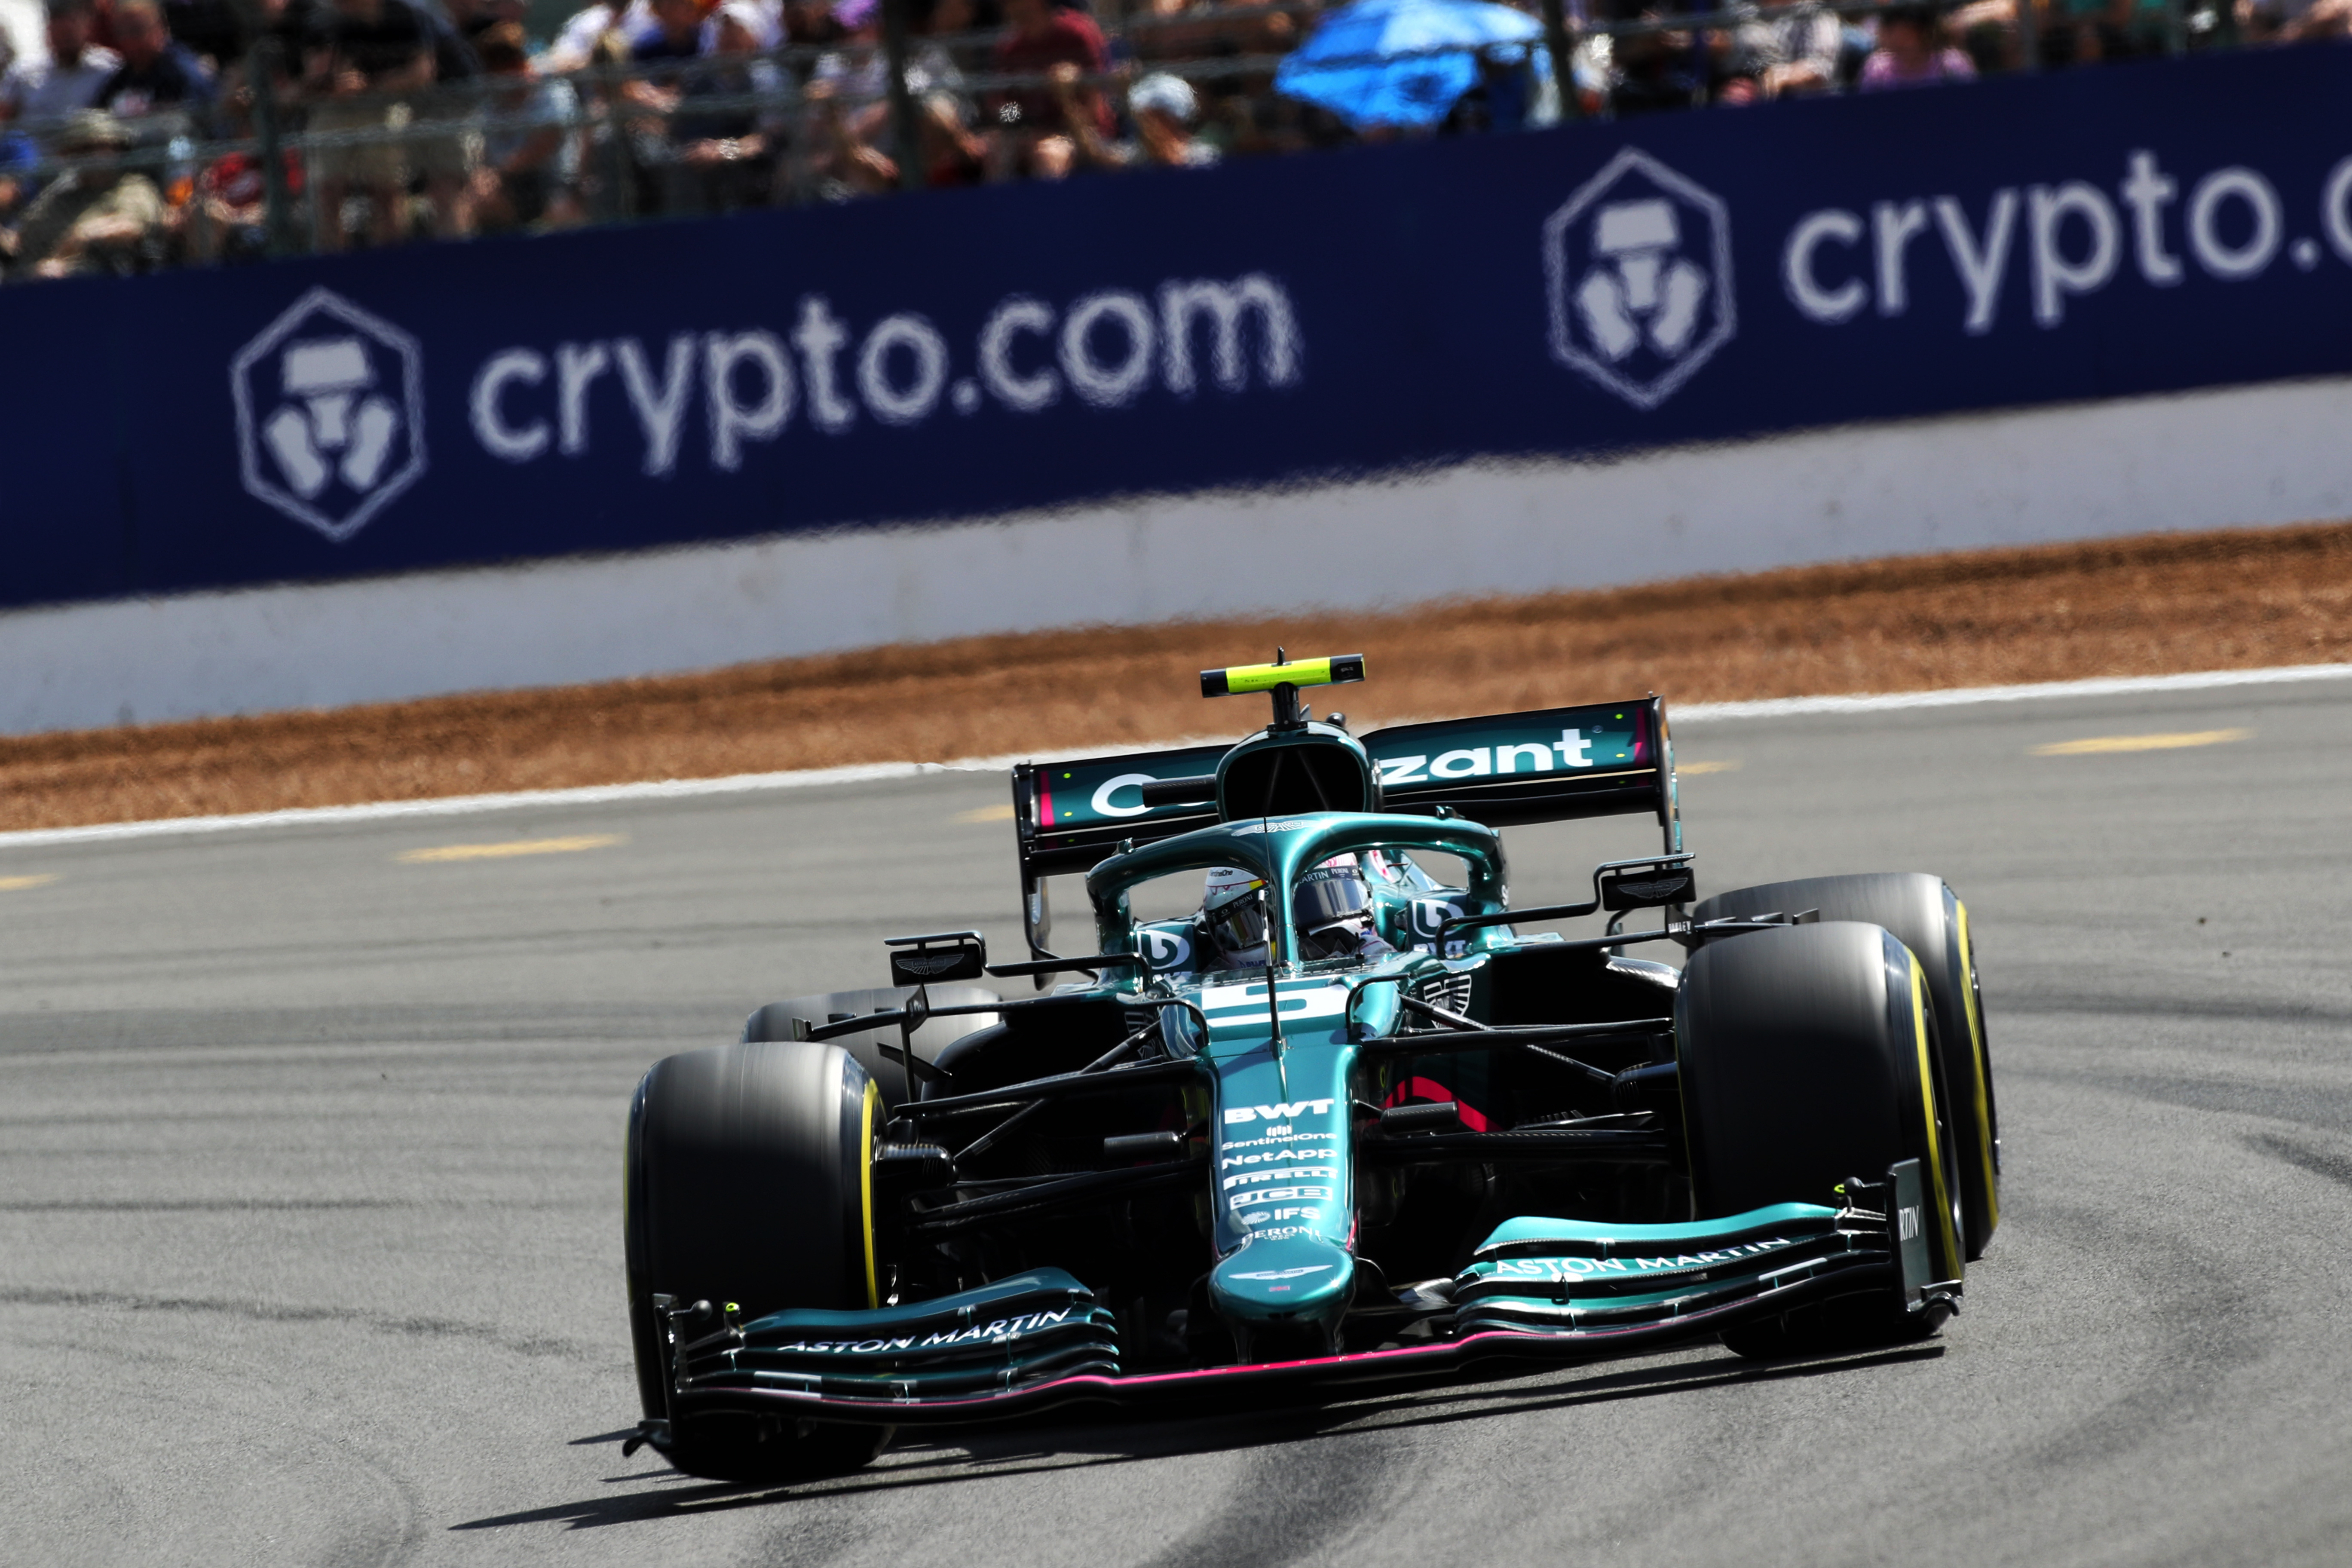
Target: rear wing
<point>1071,815</point>
<point>1553,764</point>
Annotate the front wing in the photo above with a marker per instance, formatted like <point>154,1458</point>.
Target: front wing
<point>1537,1289</point>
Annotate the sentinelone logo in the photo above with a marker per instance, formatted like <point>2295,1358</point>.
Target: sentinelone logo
<point>1105,349</point>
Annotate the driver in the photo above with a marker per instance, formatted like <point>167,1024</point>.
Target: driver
<point>1232,920</point>
<point>1332,908</point>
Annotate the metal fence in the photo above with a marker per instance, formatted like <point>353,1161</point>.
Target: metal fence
<point>300,168</point>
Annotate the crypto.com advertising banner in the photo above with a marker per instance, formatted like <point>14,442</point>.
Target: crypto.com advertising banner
<point>1597,289</point>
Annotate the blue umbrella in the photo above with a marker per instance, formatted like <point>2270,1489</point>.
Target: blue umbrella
<point>1399,62</point>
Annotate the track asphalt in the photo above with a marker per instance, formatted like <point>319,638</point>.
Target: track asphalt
<point>310,1232</point>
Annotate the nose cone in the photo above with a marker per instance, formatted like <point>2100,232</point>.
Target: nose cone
<point>1285,1295</point>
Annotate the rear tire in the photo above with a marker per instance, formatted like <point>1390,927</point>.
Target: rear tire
<point>1929,918</point>
<point>1806,1056</point>
<point>746,1184</point>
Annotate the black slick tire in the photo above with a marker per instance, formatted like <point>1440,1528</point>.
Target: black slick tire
<point>1929,918</point>
<point>746,1181</point>
<point>1805,1057</point>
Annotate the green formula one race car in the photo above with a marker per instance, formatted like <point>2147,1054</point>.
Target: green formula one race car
<point>1339,1125</point>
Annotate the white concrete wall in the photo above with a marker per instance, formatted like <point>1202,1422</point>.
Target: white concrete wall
<point>2266,455</point>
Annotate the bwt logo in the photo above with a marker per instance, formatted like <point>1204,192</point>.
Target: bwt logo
<point>1237,1114</point>
<point>1639,267</point>
<point>330,413</point>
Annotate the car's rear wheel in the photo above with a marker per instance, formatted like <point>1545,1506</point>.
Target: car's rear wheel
<point>746,1184</point>
<point>1805,1057</point>
<point>1929,918</point>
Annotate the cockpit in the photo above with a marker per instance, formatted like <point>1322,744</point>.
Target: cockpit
<point>1354,907</point>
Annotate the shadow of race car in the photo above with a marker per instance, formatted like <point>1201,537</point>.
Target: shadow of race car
<point>1393,1140</point>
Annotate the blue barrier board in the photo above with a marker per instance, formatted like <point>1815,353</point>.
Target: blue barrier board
<point>1593,290</point>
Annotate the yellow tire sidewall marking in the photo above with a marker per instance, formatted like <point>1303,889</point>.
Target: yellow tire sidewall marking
<point>1966,981</point>
<point>1943,1197</point>
<point>865,1189</point>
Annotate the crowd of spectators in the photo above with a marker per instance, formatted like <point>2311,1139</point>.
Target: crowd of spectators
<point>134,133</point>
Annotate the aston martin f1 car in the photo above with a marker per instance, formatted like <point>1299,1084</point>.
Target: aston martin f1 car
<point>1397,1138</point>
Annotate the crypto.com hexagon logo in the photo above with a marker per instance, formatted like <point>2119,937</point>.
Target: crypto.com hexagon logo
<point>1639,266</point>
<point>330,413</point>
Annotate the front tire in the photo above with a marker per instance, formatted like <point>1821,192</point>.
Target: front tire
<point>746,1182</point>
<point>1929,918</point>
<point>1805,1057</point>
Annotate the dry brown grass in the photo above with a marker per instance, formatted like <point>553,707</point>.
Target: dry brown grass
<point>2135,607</point>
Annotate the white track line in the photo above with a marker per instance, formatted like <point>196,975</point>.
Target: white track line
<point>1777,707</point>
<point>463,805</point>
<point>869,773</point>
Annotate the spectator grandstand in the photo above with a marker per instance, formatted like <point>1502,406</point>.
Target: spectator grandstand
<point>137,134</point>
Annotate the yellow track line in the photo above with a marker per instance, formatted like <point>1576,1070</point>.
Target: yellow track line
<point>2100,745</point>
<point>510,848</point>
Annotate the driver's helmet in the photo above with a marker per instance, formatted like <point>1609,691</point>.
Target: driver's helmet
<point>1331,909</point>
<point>1233,916</point>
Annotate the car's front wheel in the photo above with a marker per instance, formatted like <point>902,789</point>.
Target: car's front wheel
<point>1805,1058</point>
<point>1929,918</point>
<point>746,1184</point>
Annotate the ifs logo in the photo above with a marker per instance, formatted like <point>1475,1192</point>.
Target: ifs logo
<point>330,413</point>
<point>1639,264</point>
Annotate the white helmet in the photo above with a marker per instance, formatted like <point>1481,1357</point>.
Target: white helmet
<point>1233,915</point>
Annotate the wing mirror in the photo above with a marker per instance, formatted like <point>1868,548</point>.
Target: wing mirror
<point>943,955</point>
<point>1646,886</point>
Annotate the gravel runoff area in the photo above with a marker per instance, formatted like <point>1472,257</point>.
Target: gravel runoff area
<point>2151,605</point>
